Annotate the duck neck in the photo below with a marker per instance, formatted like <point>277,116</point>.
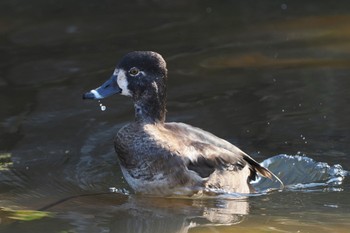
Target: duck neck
<point>150,109</point>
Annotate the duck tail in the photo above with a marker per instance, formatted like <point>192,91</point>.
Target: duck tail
<point>269,174</point>
<point>263,171</point>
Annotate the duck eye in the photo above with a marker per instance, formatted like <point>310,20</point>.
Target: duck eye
<point>134,71</point>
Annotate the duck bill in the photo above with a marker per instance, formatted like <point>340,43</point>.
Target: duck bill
<point>110,87</point>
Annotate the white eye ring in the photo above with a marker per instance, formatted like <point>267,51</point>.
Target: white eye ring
<point>134,71</point>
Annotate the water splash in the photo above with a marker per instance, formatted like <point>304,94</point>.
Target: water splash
<point>301,173</point>
<point>103,107</point>
<point>119,190</point>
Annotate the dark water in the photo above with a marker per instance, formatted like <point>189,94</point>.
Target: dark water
<point>271,77</point>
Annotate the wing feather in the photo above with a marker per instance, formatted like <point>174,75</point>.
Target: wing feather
<point>209,152</point>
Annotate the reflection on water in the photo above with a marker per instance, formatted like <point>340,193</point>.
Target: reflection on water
<point>270,77</point>
<point>317,34</point>
<point>141,214</point>
<point>261,61</point>
<point>121,212</point>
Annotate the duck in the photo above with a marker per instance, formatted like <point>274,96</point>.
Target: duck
<point>170,158</point>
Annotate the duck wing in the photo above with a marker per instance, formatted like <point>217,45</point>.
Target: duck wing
<point>208,153</point>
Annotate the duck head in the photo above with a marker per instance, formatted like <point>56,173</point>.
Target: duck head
<point>141,75</point>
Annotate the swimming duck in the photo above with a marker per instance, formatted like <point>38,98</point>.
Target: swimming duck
<point>160,158</point>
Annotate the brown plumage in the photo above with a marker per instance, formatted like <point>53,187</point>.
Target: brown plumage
<point>170,158</point>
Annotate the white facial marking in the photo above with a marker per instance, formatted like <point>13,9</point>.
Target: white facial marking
<point>123,83</point>
<point>96,94</point>
<point>116,71</point>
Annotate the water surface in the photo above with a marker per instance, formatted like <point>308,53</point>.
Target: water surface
<point>271,77</point>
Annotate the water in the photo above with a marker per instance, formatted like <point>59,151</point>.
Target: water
<point>102,107</point>
<point>272,78</point>
<point>301,173</point>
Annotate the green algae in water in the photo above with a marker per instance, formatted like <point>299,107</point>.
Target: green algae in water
<point>5,161</point>
<point>25,215</point>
